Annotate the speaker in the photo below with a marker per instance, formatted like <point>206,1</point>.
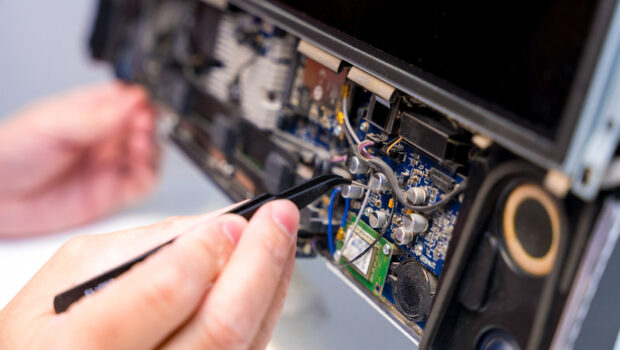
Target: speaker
<point>506,263</point>
<point>531,228</point>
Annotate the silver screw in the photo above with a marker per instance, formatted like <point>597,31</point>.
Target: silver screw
<point>364,126</point>
<point>368,211</point>
<point>387,249</point>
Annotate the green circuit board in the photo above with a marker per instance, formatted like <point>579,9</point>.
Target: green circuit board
<point>372,268</point>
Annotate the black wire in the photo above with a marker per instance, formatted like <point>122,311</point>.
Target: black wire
<point>350,262</point>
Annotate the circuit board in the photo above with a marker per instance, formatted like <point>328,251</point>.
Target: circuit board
<point>370,269</point>
<point>315,121</point>
<point>429,248</point>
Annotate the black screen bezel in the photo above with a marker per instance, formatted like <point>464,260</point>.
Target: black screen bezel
<point>521,140</point>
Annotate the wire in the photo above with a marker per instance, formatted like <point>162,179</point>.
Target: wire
<point>347,204</point>
<point>339,159</point>
<point>347,122</point>
<point>379,164</point>
<point>400,195</point>
<point>330,215</point>
<point>367,249</point>
<point>361,148</point>
<point>387,151</point>
<point>351,228</point>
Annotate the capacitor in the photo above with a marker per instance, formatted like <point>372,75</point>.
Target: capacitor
<point>415,223</point>
<point>352,191</point>
<point>357,167</point>
<point>416,195</point>
<point>402,236</point>
<point>379,182</point>
<point>378,219</point>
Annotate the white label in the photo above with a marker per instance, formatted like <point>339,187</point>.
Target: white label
<point>354,248</point>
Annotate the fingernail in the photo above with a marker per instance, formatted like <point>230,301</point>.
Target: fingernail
<point>285,215</point>
<point>232,230</point>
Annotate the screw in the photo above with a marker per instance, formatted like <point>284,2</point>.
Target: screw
<point>368,211</point>
<point>387,249</point>
<point>364,126</point>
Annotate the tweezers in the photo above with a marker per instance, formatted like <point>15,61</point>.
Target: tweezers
<point>301,195</point>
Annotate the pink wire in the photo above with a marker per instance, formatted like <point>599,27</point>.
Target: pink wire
<point>339,159</point>
<point>362,149</point>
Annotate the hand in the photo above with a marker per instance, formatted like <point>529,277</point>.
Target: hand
<point>73,158</point>
<point>220,285</point>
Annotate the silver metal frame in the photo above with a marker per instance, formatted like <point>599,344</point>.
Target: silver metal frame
<point>596,135</point>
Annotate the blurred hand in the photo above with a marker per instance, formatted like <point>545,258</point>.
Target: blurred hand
<point>221,285</point>
<point>73,158</point>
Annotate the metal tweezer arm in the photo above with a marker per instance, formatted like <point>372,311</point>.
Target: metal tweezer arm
<point>301,195</point>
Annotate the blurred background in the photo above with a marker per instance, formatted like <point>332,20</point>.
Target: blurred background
<point>43,52</point>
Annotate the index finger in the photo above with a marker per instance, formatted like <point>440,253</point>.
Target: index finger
<point>140,308</point>
<point>238,302</point>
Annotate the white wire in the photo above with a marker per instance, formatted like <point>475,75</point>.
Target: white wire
<point>351,228</point>
<point>347,122</point>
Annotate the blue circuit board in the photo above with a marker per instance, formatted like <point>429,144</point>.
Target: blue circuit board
<point>315,134</point>
<point>429,248</point>
<point>412,170</point>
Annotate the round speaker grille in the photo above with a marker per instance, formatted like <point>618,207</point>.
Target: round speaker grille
<point>531,227</point>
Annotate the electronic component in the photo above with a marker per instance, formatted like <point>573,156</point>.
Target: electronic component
<point>380,114</point>
<point>371,268</point>
<point>416,223</point>
<point>402,236</point>
<point>378,219</point>
<point>416,195</point>
<point>254,68</point>
<point>357,167</point>
<point>413,289</point>
<point>411,224</point>
<point>352,191</point>
<point>531,229</point>
<point>324,85</point>
<point>379,182</point>
<point>437,139</point>
<point>440,180</point>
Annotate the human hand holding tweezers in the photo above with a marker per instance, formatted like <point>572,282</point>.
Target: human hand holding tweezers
<point>300,195</point>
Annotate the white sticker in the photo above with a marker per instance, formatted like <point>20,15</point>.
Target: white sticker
<point>355,247</point>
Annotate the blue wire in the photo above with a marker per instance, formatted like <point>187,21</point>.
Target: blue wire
<point>330,215</point>
<point>347,202</point>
